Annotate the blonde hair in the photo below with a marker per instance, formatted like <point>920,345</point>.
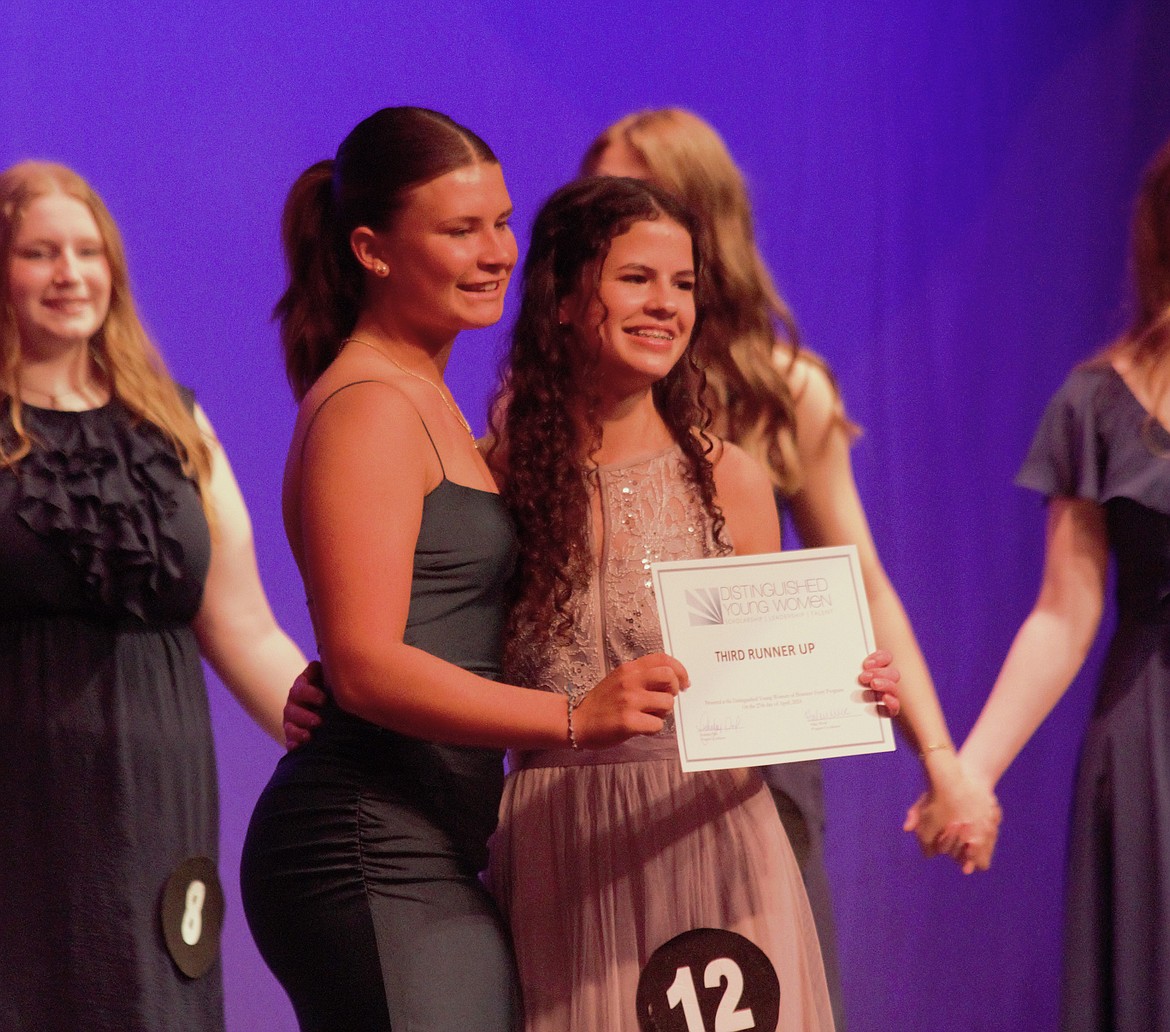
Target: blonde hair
<point>137,375</point>
<point>1146,342</point>
<point>745,318</point>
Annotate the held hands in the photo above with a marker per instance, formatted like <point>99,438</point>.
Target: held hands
<point>633,700</point>
<point>957,816</point>
<point>302,709</point>
<point>881,677</point>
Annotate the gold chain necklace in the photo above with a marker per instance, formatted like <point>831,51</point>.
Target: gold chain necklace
<point>453,409</point>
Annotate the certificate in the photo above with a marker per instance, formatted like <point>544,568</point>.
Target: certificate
<point>773,645</point>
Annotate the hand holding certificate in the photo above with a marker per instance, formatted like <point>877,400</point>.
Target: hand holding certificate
<point>773,645</point>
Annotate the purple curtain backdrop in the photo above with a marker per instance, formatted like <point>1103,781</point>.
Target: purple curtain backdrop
<point>942,192</point>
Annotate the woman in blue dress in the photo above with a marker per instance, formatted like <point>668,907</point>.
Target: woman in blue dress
<point>1102,458</point>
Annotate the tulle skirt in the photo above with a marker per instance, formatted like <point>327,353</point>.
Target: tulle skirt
<point>601,857</point>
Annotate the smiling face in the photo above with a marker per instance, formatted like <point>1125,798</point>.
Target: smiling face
<point>58,274</point>
<point>450,253</point>
<point>643,308</point>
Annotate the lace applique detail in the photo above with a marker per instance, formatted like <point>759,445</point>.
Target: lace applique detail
<point>650,513</point>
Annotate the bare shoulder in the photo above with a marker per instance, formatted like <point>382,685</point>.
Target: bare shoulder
<point>741,483</point>
<point>818,402</point>
<point>357,411</point>
<point>204,423</point>
<point>745,496</point>
<point>736,470</point>
<point>361,435</point>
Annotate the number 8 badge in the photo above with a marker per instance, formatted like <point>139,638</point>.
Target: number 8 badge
<point>192,915</point>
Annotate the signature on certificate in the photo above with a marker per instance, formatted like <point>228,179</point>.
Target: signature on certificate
<point>712,724</point>
<point>815,716</point>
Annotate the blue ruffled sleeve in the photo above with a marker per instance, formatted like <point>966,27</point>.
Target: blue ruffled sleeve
<point>1068,457</point>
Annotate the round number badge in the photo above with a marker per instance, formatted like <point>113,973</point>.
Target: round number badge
<point>192,915</point>
<point>708,980</point>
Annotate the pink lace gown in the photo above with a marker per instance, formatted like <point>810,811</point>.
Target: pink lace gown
<point>602,856</point>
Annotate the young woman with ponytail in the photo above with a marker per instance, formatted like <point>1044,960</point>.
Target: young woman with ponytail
<point>360,870</point>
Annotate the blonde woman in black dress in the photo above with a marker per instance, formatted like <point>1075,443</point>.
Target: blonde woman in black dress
<point>125,555</point>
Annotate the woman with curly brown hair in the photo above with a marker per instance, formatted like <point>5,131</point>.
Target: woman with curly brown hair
<point>779,403</point>
<point>604,457</point>
<point>1101,457</point>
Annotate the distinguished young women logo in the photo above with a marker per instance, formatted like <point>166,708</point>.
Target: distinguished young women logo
<point>761,600</point>
<point>704,606</point>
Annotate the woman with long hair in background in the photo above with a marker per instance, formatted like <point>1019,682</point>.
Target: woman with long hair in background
<point>1101,457</point>
<point>126,554</point>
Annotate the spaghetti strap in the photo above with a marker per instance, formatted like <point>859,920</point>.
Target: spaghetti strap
<point>432,440</point>
<point>332,394</point>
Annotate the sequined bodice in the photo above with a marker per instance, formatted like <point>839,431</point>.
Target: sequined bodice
<point>649,513</point>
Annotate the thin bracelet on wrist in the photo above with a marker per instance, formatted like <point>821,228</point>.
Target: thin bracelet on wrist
<point>935,747</point>
<point>572,733</point>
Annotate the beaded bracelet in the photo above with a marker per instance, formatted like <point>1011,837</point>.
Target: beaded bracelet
<point>572,734</point>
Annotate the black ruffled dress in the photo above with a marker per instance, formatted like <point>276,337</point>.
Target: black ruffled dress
<point>1096,442</point>
<point>107,775</point>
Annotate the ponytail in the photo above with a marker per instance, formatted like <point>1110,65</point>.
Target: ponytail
<point>378,163</point>
<point>320,306</point>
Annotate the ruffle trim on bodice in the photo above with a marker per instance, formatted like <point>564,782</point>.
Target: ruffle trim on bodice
<point>1096,442</point>
<point>116,528</point>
